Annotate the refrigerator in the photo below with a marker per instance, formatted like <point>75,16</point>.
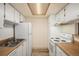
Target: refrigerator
<point>24,31</point>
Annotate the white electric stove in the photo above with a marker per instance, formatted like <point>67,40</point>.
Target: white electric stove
<point>64,38</point>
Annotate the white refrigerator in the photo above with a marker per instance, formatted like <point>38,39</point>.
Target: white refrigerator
<point>24,31</point>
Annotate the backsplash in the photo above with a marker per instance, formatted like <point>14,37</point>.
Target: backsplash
<point>70,28</point>
<point>55,31</point>
<point>6,32</point>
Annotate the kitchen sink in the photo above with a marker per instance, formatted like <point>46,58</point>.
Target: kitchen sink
<point>11,43</point>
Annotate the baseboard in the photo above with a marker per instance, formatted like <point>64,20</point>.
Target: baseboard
<point>40,49</point>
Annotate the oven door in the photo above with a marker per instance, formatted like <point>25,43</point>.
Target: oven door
<point>51,48</point>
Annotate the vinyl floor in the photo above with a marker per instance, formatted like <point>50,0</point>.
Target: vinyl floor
<point>40,52</point>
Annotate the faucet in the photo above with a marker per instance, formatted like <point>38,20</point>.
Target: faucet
<point>14,33</point>
<point>72,38</point>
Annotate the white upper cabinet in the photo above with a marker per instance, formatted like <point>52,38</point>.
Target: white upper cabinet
<point>60,16</point>
<point>16,16</point>
<point>51,20</point>
<point>9,13</point>
<point>1,15</point>
<point>71,12</point>
<point>22,18</point>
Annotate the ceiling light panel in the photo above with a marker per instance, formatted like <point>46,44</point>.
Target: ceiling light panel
<point>38,8</point>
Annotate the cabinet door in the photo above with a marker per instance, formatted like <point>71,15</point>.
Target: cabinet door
<point>60,16</point>
<point>13,53</point>
<point>57,17</point>
<point>71,12</point>
<point>24,48</point>
<point>16,16</point>
<point>59,52</point>
<point>51,20</point>
<point>20,50</point>
<point>1,15</point>
<point>9,13</point>
<point>22,19</point>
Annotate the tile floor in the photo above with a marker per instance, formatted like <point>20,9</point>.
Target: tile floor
<point>40,52</point>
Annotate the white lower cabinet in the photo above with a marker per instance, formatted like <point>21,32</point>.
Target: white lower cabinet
<point>59,52</point>
<point>13,53</point>
<point>19,51</point>
<point>24,48</point>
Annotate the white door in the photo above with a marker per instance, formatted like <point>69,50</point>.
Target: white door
<point>1,15</point>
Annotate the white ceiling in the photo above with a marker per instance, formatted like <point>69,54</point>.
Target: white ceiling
<point>24,9</point>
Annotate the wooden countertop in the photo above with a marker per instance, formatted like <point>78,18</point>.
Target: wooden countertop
<point>4,51</point>
<point>71,49</point>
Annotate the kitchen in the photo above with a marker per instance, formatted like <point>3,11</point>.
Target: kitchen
<point>39,29</point>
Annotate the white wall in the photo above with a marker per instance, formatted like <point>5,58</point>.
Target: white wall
<point>6,33</point>
<point>39,31</point>
<point>54,31</point>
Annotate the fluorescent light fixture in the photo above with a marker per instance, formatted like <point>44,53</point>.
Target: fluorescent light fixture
<point>38,8</point>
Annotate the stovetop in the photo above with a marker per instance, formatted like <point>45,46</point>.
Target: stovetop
<point>59,40</point>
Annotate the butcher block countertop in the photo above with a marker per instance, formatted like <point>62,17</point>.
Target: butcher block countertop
<point>5,51</point>
<point>71,49</point>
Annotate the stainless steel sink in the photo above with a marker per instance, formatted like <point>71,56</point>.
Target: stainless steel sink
<point>11,43</point>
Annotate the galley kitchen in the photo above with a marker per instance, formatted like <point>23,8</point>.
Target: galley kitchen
<point>39,29</point>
